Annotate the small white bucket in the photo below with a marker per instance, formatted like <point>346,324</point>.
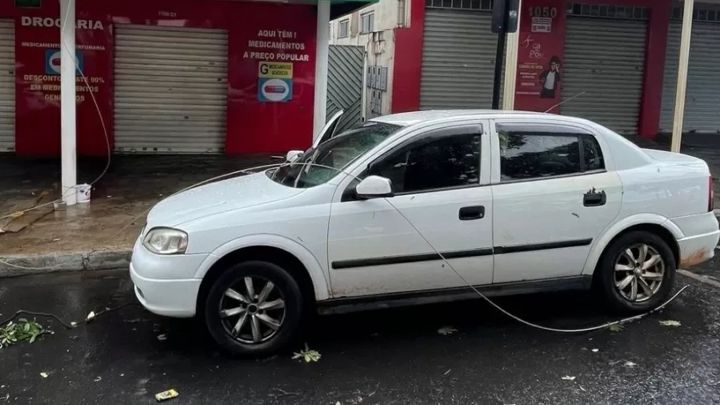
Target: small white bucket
<point>83,193</point>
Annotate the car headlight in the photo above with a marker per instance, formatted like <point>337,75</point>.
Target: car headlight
<point>166,241</point>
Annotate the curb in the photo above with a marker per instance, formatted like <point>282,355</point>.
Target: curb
<point>20,265</point>
<point>701,278</point>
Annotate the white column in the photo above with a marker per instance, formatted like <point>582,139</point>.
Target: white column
<point>67,102</point>
<point>511,58</point>
<point>682,76</point>
<point>321,65</point>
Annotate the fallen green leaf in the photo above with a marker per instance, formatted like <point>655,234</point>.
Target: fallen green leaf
<point>670,323</point>
<point>447,330</point>
<point>307,355</point>
<point>616,327</point>
<point>20,331</point>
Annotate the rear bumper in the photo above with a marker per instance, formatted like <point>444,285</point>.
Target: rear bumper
<point>697,248</point>
<point>175,298</point>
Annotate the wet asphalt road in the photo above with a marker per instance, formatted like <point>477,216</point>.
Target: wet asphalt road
<point>376,357</point>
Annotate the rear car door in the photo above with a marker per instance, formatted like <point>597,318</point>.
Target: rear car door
<point>441,186</point>
<point>552,196</point>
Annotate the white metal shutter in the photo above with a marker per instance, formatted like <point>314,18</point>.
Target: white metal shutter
<point>170,89</point>
<point>7,85</point>
<point>458,60</point>
<point>702,100</point>
<point>604,58</point>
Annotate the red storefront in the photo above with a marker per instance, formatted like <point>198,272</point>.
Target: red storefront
<point>165,75</point>
<point>612,61</point>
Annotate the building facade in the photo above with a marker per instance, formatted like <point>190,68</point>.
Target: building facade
<point>612,61</point>
<point>373,28</point>
<point>161,76</point>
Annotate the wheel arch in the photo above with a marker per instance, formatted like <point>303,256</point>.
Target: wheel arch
<point>656,224</point>
<point>300,263</point>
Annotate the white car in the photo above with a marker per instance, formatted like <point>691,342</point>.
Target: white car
<point>416,207</point>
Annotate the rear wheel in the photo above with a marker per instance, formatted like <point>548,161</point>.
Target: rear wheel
<point>637,272</point>
<point>254,308</point>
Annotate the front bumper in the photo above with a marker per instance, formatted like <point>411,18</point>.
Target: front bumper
<point>176,298</point>
<point>166,284</point>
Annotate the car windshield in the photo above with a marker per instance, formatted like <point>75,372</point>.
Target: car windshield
<point>318,165</point>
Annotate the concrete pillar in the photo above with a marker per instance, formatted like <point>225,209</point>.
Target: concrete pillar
<point>511,58</point>
<point>682,75</point>
<point>321,66</point>
<point>68,149</point>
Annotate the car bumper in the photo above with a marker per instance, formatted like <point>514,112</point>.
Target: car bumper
<point>697,248</point>
<point>166,285</point>
<point>175,298</point>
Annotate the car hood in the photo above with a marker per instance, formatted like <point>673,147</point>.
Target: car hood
<point>222,196</point>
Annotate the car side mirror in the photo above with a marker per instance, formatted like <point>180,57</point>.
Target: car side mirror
<point>293,155</point>
<point>374,187</point>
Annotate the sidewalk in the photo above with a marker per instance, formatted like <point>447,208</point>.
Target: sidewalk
<point>99,234</point>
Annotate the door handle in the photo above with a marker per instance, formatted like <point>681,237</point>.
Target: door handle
<point>594,198</point>
<point>470,213</point>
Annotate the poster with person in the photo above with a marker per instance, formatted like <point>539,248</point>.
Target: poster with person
<point>540,55</point>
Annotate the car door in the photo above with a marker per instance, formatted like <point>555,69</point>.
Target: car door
<point>440,185</point>
<point>553,194</point>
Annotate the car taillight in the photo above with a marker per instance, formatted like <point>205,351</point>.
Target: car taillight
<point>711,195</point>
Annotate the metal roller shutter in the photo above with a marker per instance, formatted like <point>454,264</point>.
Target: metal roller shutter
<point>458,59</point>
<point>604,58</point>
<point>170,89</point>
<point>7,85</point>
<point>702,102</point>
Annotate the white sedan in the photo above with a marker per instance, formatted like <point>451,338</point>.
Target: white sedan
<point>417,208</point>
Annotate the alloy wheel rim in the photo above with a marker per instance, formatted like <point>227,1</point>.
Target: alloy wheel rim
<point>252,310</point>
<point>638,273</point>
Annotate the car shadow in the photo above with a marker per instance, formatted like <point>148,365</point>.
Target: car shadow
<point>342,332</point>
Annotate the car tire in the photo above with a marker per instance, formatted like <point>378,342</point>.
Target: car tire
<point>242,321</point>
<point>624,273</point>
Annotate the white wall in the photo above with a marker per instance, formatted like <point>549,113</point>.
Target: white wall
<point>379,45</point>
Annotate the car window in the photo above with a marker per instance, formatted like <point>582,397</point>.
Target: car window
<point>528,155</point>
<point>432,163</point>
<point>592,153</point>
<point>318,165</point>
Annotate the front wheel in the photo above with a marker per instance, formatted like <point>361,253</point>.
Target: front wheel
<point>637,272</point>
<point>254,308</point>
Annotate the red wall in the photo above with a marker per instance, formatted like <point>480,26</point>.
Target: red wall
<point>408,61</point>
<point>252,125</point>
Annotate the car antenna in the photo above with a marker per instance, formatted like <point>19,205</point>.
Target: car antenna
<point>564,101</point>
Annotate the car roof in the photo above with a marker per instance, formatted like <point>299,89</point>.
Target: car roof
<point>416,117</point>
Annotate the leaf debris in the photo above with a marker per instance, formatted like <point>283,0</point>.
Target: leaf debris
<point>307,355</point>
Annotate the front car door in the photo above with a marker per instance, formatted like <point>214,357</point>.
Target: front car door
<point>440,179</point>
<point>554,191</point>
